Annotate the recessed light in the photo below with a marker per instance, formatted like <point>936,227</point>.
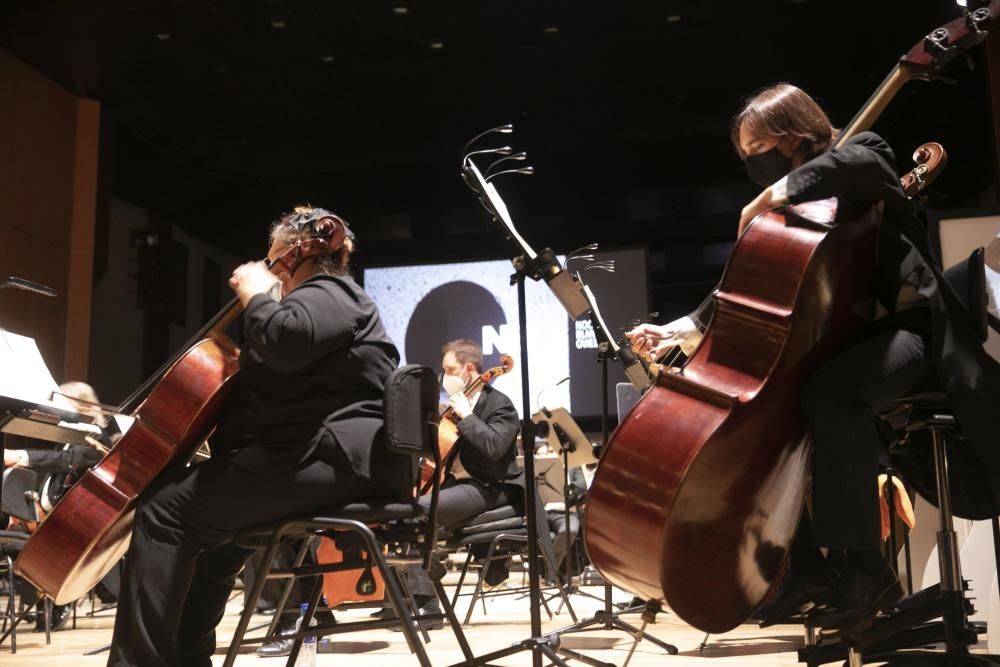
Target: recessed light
<point>327,59</point>
<point>437,46</point>
<point>551,29</point>
<point>674,18</point>
<point>163,36</point>
<point>278,24</point>
<point>220,69</point>
<point>400,10</point>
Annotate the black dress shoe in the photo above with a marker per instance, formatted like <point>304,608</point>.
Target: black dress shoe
<point>60,615</point>
<point>796,594</point>
<point>428,609</point>
<point>860,595</point>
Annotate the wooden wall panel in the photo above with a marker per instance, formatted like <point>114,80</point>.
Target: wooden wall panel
<point>48,182</point>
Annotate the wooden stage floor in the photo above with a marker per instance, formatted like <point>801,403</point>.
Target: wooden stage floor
<point>505,623</point>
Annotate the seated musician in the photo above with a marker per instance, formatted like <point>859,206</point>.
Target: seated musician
<point>301,431</point>
<point>485,474</point>
<point>919,331</point>
<point>61,468</point>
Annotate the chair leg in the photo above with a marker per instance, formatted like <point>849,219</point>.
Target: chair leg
<point>955,618</point>
<point>392,589</point>
<point>317,590</point>
<point>47,606</point>
<point>286,592</point>
<point>412,602</point>
<point>559,582</point>
<point>13,622</point>
<point>456,627</point>
<point>251,601</point>
<point>461,579</point>
<point>476,594</point>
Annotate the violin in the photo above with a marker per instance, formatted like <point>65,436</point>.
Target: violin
<point>89,529</point>
<point>448,427</point>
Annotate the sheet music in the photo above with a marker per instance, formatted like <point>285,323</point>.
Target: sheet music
<point>501,209</point>
<point>23,373</point>
<point>592,302</point>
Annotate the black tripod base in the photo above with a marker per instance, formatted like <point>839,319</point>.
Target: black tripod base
<point>541,646</point>
<point>605,620</point>
<point>902,637</point>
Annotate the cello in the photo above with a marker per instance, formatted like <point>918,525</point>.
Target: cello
<point>699,491</point>
<point>448,427</point>
<point>89,529</point>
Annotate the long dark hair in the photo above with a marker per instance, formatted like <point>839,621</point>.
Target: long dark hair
<point>783,110</point>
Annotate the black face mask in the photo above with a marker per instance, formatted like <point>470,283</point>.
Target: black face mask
<point>767,167</point>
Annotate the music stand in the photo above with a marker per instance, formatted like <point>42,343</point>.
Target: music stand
<point>574,447</point>
<point>544,266</point>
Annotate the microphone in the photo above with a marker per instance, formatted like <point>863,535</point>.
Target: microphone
<point>538,398</point>
<point>501,129</point>
<point>27,285</point>
<point>503,150</point>
<point>516,156</point>
<point>523,170</point>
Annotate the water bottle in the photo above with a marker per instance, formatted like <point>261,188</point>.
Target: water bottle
<point>307,654</point>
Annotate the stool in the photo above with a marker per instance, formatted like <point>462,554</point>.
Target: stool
<point>911,625</point>
<point>11,543</point>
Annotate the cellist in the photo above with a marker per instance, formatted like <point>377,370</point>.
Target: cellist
<point>919,330</point>
<point>484,474</point>
<point>302,431</point>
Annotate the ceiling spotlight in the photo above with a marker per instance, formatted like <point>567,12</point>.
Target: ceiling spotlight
<point>327,59</point>
<point>674,18</point>
<point>437,46</point>
<point>163,36</point>
<point>278,24</point>
<point>552,29</point>
<point>402,11</point>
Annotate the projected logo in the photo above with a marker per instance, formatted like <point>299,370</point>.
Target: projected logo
<point>456,310</point>
<point>424,307</point>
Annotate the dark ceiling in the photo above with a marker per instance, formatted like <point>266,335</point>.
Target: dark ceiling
<point>222,113</point>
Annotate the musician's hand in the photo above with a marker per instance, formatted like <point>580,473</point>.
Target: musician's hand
<point>765,201</point>
<point>655,340</point>
<point>645,336</point>
<point>15,457</point>
<point>251,279</point>
<point>461,405</point>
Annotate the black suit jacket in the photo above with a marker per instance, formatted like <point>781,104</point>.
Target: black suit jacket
<point>864,171</point>
<point>312,371</point>
<point>487,443</point>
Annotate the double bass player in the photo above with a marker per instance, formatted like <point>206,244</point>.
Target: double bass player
<point>919,332</point>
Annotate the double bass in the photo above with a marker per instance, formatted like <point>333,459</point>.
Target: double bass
<point>699,491</point>
<point>89,529</point>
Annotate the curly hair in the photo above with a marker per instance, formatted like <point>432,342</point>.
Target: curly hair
<point>337,263</point>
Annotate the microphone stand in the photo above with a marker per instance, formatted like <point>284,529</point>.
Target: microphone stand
<point>528,264</point>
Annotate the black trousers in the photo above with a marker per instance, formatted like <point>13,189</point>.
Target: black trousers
<point>457,503</point>
<point>838,400</point>
<point>182,563</point>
